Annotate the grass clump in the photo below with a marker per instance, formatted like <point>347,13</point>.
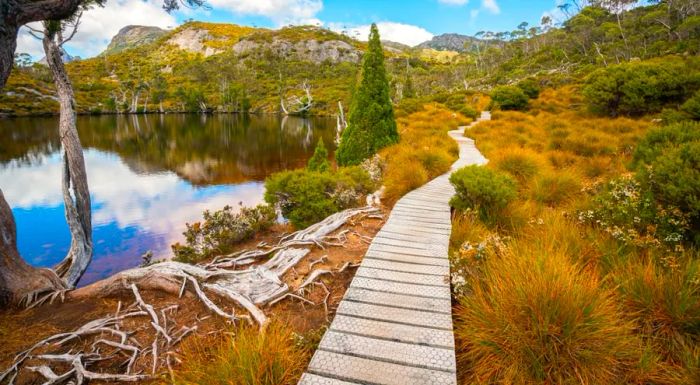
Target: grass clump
<point>536,317</point>
<point>521,163</point>
<point>556,188</point>
<point>221,230</point>
<point>483,190</point>
<point>251,357</point>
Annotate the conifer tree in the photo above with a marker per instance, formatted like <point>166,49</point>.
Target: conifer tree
<point>371,125</point>
<point>319,161</point>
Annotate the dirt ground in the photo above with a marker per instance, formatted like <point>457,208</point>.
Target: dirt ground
<point>20,330</point>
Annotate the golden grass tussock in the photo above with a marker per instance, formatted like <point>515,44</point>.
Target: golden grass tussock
<point>424,151</point>
<point>556,188</point>
<point>567,302</point>
<point>248,357</point>
<point>534,316</point>
<point>521,163</point>
<point>665,299</point>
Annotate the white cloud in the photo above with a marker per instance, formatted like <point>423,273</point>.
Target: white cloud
<point>401,33</point>
<point>454,2</point>
<point>100,24</point>
<point>491,6</point>
<point>279,11</point>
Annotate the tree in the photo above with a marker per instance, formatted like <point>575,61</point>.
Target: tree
<point>371,125</point>
<point>18,279</point>
<point>319,161</point>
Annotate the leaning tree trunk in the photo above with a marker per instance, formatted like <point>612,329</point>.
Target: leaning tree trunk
<point>76,195</point>
<point>17,278</point>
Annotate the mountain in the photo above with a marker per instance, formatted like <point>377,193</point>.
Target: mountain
<point>449,42</point>
<point>65,56</point>
<point>132,36</point>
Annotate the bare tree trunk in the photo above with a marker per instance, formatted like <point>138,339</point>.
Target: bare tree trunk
<point>17,278</point>
<point>76,195</point>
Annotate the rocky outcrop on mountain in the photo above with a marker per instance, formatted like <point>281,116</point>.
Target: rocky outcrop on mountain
<point>395,47</point>
<point>194,40</point>
<point>335,51</point>
<point>449,42</point>
<point>133,36</point>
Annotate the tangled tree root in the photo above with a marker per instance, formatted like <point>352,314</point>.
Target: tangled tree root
<point>249,288</point>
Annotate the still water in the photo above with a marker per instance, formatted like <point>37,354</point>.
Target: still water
<point>148,176</point>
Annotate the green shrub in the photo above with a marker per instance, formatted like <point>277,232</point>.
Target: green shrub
<point>637,88</point>
<point>674,178</point>
<point>509,98</point>
<point>530,88</point>
<point>658,140</point>
<point>483,190</point>
<point>306,197</point>
<point>692,106</point>
<point>629,213</point>
<point>221,231</point>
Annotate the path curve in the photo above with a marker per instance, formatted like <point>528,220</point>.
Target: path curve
<point>394,324</point>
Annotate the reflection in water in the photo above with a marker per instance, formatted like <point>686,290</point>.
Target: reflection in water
<point>148,176</point>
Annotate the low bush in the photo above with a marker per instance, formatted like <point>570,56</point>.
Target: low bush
<point>530,88</point>
<point>251,357</point>
<point>623,209</point>
<point>509,98</point>
<point>657,140</point>
<point>306,197</point>
<point>692,106</point>
<point>221,230</point>
<point>483,190</point>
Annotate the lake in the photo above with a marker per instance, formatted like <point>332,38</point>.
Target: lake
<point>148,176</point>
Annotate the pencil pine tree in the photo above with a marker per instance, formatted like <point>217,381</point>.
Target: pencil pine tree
<point>371,124</point>
<point>319,161</point>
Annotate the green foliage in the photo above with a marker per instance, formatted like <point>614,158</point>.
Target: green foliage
<point>307,197</point>
<point>371,125</point>
<point>637,88</point>
<point>530,87</point>
<point>692,106</point>
<point>221,231</point>
<point>481,189</point>
<point>509,98</point>
<point>319,161</point>
<point>628,212</point>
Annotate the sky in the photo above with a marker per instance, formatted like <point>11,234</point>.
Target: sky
<point>405,21</point>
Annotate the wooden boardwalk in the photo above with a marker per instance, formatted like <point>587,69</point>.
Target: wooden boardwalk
<point>394,325</point>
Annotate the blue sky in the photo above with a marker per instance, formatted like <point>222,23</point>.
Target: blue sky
<point>408,21</point>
